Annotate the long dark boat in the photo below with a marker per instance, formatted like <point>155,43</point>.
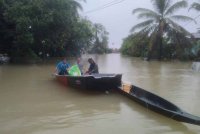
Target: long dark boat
<point>158,104</point>
<point>101,82</point>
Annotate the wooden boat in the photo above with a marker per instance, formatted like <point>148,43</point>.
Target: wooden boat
<point>91,82</point>
<point>158,104</point>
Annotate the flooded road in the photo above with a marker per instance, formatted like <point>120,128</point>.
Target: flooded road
<point>32,102</point>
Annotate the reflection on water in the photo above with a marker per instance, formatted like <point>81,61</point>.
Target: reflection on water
<point>32,102</point>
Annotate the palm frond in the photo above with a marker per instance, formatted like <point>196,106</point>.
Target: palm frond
<point>176,6</point>
<point>195,6</point>
<point>149,15</point>
<point>147,30</point>
<point>75,4</point>
<point>168,4</point>
<point>141,25</point>
<point>143,10</point>
<point>178,38</point>
<point>177,27</point>
<point>152,39</point>
<point>161,5</point>
<point>182,18</point>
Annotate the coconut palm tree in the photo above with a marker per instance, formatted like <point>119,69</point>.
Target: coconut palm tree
<point>160,23</point>
<point>101,38</point>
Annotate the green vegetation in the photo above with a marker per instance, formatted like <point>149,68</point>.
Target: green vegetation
<point>39,28</point>
<point>159,36</point>
<point>135,45</point>
<point>101,40</point>
<point>36,29</point>
<point>196,45</point>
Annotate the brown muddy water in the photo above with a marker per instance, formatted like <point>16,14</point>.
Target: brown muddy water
<point>32,102</point>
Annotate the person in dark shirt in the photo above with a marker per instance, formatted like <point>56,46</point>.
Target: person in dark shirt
<point>93,69</point>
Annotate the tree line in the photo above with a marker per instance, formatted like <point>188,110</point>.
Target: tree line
<point>159,36</point>
<point>41,28</point>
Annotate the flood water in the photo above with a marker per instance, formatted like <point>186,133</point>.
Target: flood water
<point>32,102</point>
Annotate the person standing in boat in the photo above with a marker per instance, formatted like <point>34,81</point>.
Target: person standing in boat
<point>62,67</point>
<point>93,69</point>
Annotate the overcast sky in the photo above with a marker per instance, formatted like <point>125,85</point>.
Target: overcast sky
<point>118,19</point>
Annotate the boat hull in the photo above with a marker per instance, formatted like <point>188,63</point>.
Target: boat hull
<point>62,79</point>
<point>158,104</point>
<point>91,82</point>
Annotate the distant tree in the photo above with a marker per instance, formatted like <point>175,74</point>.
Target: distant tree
<point>37,27</point>
<point>135,45</point>
<point>196,46</point>
<point>82,37</point>
<point>6,30</point>
<point>160,23</point>
<point>100,40</point>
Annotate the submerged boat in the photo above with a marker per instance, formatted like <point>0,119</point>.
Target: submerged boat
<point>158,104</point>
<point>101,82</point>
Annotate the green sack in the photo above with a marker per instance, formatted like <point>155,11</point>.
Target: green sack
<point>74,71</point>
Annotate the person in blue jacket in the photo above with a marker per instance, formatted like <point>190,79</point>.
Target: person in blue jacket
<point>62,67</point>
